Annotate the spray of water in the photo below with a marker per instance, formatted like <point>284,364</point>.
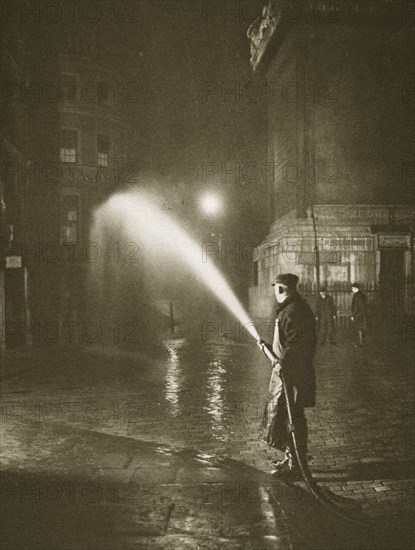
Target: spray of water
<point>143,220</point>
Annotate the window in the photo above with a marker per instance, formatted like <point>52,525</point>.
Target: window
<point>68,145</point>
<point>103,147</point>
<point>70,209</point>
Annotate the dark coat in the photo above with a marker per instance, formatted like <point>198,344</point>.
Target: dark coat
<point>297,331</point>
<point>296,347</point>
<point>325,309</point>
<point>359,310</point>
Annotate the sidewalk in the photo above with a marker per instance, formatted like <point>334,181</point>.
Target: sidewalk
<point>64,488</point>
<point>72,489</point>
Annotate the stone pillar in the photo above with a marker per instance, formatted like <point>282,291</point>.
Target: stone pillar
<point>407,265</point>
<point>352,267</point>
<point>2,312</point>
<point>409,307</point>
<point>26,313</point>
<point>377,267</point>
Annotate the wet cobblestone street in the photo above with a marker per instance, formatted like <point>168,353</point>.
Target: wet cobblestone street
<point>206,399</point>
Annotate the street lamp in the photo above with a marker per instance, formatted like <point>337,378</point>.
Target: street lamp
<point>212,205</point>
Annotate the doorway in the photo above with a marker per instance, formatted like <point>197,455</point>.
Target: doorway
<point>15,329</point>
<point>392,281</point>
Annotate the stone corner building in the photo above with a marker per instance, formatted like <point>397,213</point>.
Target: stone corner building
<point>340,150</point>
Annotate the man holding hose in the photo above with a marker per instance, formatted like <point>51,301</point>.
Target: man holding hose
<point>294,347</point>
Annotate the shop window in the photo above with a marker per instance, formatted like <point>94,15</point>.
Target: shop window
<point>68,148</point>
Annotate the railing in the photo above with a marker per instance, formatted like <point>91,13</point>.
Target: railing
<point>342,296</point>
<point>393,302</point>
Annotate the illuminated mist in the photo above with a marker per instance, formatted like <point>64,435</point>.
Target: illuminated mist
<point>141,220</point>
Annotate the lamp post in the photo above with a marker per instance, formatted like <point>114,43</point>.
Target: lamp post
<point>212,206</point>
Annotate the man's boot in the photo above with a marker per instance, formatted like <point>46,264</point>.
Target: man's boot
<point>280,465</point>
<point>287,468</point>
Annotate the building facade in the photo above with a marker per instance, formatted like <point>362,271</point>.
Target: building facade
<point>92,153</point>
<point>65,149</point>
<point>340,150</point>
<point>14,275</point>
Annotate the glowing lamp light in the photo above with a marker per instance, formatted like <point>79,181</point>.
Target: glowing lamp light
<point>143,221</point>
<point>211,204</point>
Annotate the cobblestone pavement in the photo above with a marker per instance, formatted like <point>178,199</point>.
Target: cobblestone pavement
<point>65,488</point>
<point>208,397</point>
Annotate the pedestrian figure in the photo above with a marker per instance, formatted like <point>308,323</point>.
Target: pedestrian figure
<point>359,312</point>
<point>294,346</point>
<point>325,317</point>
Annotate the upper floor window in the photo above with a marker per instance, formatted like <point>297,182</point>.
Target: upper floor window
<point>68,146</point>
<point>70,215</point>
<point>103,147</point>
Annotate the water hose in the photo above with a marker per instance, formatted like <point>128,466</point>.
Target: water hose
<point>311,485</point>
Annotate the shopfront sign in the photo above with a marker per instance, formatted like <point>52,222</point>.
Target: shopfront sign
<point>393,241</point>
<point>327,244</point>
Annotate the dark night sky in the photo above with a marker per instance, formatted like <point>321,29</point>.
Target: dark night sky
<point>175,51</point>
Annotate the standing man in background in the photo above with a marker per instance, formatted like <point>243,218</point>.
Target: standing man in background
<point>325,316</point>
<point>359,312</point>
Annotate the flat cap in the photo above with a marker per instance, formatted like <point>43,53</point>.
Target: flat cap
<point>287,279</point>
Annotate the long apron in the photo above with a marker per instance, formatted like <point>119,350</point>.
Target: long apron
<point>275,424</point>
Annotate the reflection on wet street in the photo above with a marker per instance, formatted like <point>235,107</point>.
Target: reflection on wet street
<point>206,399</point>
<point>214,407</point>
<point>174,379</point>
<point>210,389</point>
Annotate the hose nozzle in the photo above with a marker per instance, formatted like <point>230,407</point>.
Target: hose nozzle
<point>267,351</point>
